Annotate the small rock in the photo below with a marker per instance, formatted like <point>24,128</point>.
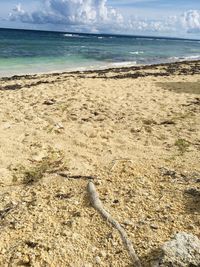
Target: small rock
<point>49,102</point>
<point>6,126</point>
<point>69,223</point>
<point>167,172</point>
<point>98,182</point>
<point>135,130</point>
<point>153,226</point>
<point>191,227</point>
<point>77,214</point>
<point>127,222</point>
<point>65,232</point>
<point>98,260</point>
<point>63,195</point>
<point>3,251</point>
<point>168,206</point>
<point>59,126</point>
<point>31,244</point>
<point>142,222</point>
<point>102,253</point>
<point>182,251</point>
<point>100,118</point>
<point>94,249</point>
<point>168,122</point>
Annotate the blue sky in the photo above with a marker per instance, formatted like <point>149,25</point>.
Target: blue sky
<point>179,18</point>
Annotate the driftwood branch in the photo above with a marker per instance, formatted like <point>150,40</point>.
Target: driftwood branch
<point>97,204</point>
<point>85,177</point>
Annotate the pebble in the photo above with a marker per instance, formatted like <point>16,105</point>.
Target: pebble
<point>49,102</point>
<point>59,126</point>
<point>102,253</point>
<point>166,172</point>
<point>191,227</point>
<point>69,223</point>
<point>98,260</point>
<point>127,222</point>
<point>142,222</point>
<point>7,125</point>
<point>98,182</point>
<point>94,249</point>
<point>153,226</point>
<point>135,130</point>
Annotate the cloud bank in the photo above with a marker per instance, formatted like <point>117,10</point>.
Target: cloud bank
<point>188,22</point>
<point>191,21</point>
<point>70,13</point>
<point>98,16</point>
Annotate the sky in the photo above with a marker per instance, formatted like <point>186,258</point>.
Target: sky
<point>173,18</point>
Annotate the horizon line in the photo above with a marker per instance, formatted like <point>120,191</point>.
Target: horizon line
<point>104,34</point>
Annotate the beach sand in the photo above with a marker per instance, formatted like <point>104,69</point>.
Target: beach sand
<point>136,131</point>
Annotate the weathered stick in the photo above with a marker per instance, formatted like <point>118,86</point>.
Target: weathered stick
<point>65,175</point>
<point>97,204</point>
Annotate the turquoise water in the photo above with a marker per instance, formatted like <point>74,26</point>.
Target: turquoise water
<point>23,52</point>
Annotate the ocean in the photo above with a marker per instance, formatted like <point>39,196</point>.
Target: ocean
<point>27,52</point>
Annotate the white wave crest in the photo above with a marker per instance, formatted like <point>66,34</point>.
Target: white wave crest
<point>137,52</point>
<point>123,64</point>
<point>196,57</point>
<point>70,35</point>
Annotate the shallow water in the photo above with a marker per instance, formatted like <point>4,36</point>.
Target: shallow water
<point>23,52</point>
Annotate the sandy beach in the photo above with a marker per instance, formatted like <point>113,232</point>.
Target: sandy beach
<point>135,131</point>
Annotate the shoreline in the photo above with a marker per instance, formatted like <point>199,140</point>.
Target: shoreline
<point>111,69</point>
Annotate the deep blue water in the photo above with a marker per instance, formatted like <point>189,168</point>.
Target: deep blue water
<point>24,52</point>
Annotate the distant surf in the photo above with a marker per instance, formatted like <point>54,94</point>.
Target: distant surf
<point>27,52</point>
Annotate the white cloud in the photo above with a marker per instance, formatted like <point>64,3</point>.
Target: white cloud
<point>157,26</point>
<point>191,21</point>
<point>19,14</point>
<point>18,8</point>
<point>70,12</point>
<point>98,16</point>
<point>188,22</point>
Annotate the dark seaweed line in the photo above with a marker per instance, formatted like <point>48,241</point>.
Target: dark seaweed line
<point>168,69</point>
